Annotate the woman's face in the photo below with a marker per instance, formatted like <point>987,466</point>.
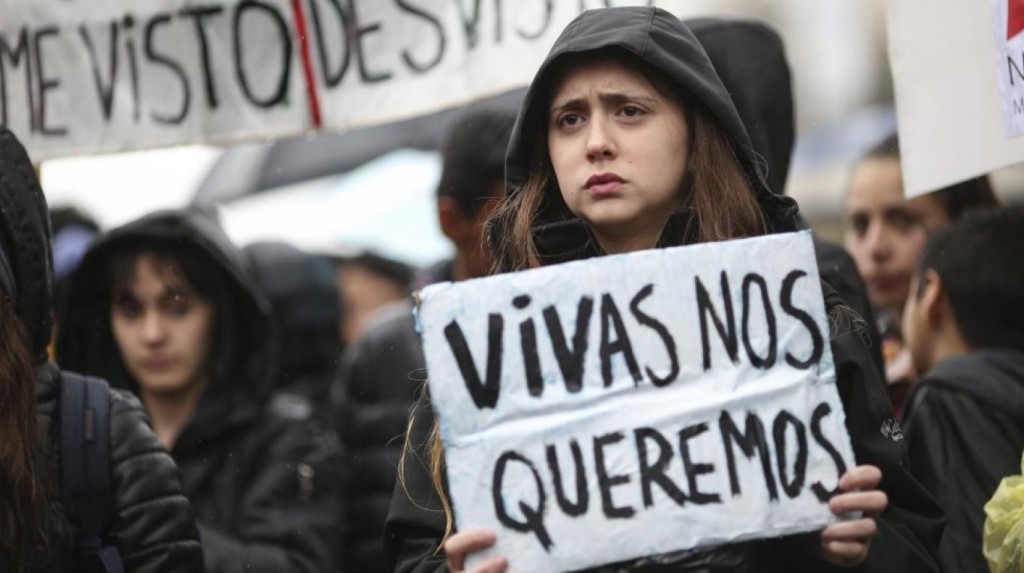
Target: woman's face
<point>163,328</point>
<point>619,149</point>
<point>886,233</point>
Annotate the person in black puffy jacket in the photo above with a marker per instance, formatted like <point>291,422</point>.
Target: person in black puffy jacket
<point>150,521</point>
<point>163,306</point>
<point>637,76</point>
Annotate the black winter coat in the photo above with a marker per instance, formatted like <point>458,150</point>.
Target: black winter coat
<point>377,384</point>
<point>964,426</point>
<point>908,530</point>
<point>263,481</point>
<point>150,518</point>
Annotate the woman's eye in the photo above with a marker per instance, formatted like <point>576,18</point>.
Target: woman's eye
<point>128,309</point>
<point>631,111</point>
<point>903,220</point>
<point>569,119</point>
<point>859,225</point>
<point>178,305</point>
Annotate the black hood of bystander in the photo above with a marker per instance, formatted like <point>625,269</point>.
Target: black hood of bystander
<point>25,240</point>
<point>85,342</point>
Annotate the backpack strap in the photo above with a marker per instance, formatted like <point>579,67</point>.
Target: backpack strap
<point>85,465</point>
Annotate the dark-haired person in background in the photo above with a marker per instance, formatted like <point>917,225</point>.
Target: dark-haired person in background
<point>366,283</point>
<point>150,521</point>
<point>886,232</point>
<point>163,307</point>
<point>964,326</point>
<point>381,373</point>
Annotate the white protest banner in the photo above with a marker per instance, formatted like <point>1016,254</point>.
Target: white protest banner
<point>644,403</point>
<point>82,77</point>
<point>958,69</point>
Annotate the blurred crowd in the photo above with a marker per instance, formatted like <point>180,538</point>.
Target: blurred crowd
<point>260,397</point>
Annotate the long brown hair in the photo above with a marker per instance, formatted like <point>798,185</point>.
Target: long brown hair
<point>21,465</point>
<point>716,191</point>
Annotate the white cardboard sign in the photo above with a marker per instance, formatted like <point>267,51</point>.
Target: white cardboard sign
<point>958,70</point>
<point>632,405</point>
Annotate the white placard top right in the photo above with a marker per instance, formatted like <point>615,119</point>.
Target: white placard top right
<point>958,69</point>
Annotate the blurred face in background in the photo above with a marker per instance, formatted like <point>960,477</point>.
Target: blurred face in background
<point>362,293</point>
<point>163,328</point>
<point>886,233</point>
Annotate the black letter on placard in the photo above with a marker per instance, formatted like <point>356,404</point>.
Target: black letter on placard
<point>655,474</point>
<point>582,493</point>
<point>549,7</point>
<point>816,337</point>
<point>534,517</point>
<point>366,75</point>
<point>653,323</point>
<point>133,63</point>
<point>611,319</point>
<point>332,77</point>
<point>792,488</point>
<point>531,359</point>
<point>693,470</point>
<point>106,92</point>
<point>819,490</point>
<point>1011,68</point>
<point>727,332</point>
<point>199,15</point>
<point>769,317</point>
<point>174,67</point>
<point>286,53</point>
<point>751,441</point>
<point>21,49</point>
<point>606,482</point>
<point>570,361</point>
<point>485,394</point>
<point>45,84</point>
<point>441,39</point>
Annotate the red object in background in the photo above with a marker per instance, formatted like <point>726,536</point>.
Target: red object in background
<point>1015,18</point>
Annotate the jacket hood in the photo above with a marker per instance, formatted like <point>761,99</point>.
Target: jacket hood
<point>25,241</point>
<point>751,62</point>
<point>244,338</point>
<point>303,296</point>
<point>993,376</point>
<point>664,42</point>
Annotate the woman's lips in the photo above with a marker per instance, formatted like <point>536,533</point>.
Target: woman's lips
<point>604,184</point>
<point>157,363</point>
<point>884,283</point>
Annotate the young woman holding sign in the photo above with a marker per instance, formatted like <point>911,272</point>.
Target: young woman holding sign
<point>627,140</point>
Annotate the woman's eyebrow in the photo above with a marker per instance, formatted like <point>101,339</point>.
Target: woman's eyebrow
<point>622,97</point>
<point>573,103</point>
<point>608,97</point>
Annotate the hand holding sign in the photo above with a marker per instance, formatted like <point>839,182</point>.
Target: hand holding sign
<point>847,543</point>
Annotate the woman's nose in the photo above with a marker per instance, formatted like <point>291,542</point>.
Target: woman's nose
<point>153,331</point>
<point>879,242</point>
<point>600,145</point>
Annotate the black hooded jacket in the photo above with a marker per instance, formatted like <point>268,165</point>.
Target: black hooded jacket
<point>908,530</point>
<point>151,521</point>
<point>263,484</point>
<point>965,432</point>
